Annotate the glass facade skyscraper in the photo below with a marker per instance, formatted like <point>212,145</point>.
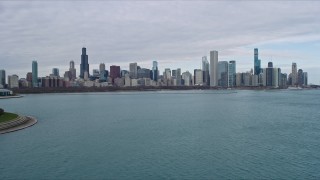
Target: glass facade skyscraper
<point>55,72</point>
<point>223,73</point>
<point>232,73</point>
<point>2,78</point>
<point>155,71</point>
<point>35,74</point>
<point>84,66</point>
<point>257,62</point>
<point>205,71</point>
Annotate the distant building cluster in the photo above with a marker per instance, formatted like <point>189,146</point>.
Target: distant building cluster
<point>214,74</point>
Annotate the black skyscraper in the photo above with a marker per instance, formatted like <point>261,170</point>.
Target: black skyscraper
<point>84,66</point>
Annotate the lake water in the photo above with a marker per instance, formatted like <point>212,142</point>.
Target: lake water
<point>165,135</point>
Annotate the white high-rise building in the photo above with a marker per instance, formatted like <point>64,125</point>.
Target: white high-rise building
<point>198,77</point>
<point>275,77</point>
<point>13,81</point>
<point>178,76</point>
<point>127,80</point>
<point>133,68</point>
<point>294,74</point>
<point>213,68</point>
<point>167,73</point>
<point>187,78</point>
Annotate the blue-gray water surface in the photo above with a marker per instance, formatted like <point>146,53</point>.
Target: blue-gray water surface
<point>165,135</point>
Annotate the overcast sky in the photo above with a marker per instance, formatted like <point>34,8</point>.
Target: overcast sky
<point>175,33</point>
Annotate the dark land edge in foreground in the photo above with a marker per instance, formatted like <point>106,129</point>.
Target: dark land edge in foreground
<point>27,122</point>
<point>141,88</point>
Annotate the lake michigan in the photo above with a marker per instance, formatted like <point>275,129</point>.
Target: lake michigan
<point>196,134</point>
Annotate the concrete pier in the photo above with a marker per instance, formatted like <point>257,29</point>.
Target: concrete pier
<point>19,123</point>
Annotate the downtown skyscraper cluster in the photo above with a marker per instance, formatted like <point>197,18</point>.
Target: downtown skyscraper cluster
<point>214,73</point>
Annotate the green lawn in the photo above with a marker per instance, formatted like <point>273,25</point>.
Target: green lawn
<point>7,117</point>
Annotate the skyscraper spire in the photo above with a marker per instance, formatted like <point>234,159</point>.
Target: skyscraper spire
<point>84,66</point>
<point>257,62</point>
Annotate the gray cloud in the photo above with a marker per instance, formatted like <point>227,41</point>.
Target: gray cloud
<point>175,33</point>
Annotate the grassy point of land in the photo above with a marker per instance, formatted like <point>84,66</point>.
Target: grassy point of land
<point>7,117</point>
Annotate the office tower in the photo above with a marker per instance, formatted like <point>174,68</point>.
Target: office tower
<point>269,74</point>
<point>133,69</point>
<point>187,78</point>
<point>178,77</point>
<point>55,72</point>
<point>102,68</point>
<point>238,79</point>
<point>155,71</point>
<point>283,80</point>
<point>35,74</point>
<point>247,78</point>
<point>213,68</point>
<point>305,78</point>
<point>29,77</point>
<point>167,73</point>
<point>223,73</point>
<point>174,73</point>
<point>144,73</point>
<point>232,73</point>
<point>73,71</point>
<point>2,78</point>
<point>96,73</point>
<point>114,71</point>
<point>86,76</point>
<point>198,77</point>
<point>13,81</point>
<point>127,80</point>
<point>276,77</point>
<point>84,66</point>
<point>257,62</point>
<point>103,72</point>
<point>205,70</point>
<point>294,74</point>
<point>123,73</point>
<point>67,76</point>
<point>300,77</point>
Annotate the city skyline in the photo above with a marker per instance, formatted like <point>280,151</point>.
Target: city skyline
<point>219,74</point>
<point>175,35</point>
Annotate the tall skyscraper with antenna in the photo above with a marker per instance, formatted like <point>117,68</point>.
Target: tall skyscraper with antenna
<point>257,62</point>
<point>84,66</point>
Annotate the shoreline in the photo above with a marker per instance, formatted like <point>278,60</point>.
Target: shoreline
<point>9,97</point>
<point>128,89</point>
<point>30,121</point>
